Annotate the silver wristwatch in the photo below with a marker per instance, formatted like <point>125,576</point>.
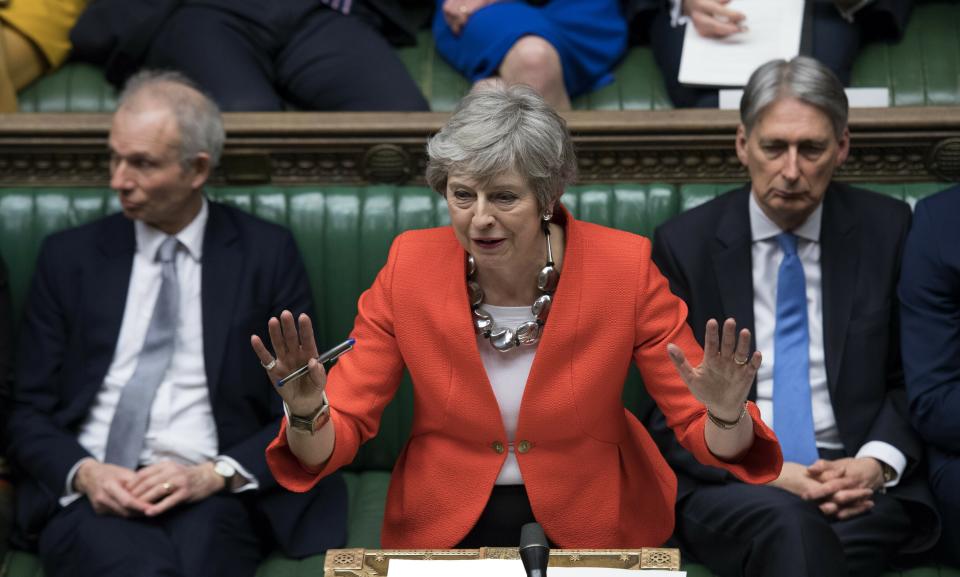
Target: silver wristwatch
<point>309,423</point>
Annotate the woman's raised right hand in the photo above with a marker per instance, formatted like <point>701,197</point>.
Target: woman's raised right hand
<point>294,348</point>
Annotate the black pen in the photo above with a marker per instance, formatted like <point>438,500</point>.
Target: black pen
<point>323,358</point>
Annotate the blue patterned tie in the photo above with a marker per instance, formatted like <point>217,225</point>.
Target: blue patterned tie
<point>129,425</point>
<point>792,411</point>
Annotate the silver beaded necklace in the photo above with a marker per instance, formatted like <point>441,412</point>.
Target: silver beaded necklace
<point>528,333</point>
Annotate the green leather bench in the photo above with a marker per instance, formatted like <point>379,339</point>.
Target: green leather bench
<point>344,234</point>
<point>922,70</point>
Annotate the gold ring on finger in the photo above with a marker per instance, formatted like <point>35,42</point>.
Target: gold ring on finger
<point>167,487</point>
<point>741,362</point>
<point>269,366</point>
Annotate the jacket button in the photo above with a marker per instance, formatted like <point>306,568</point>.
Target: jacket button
<point>523,446</point>
<point>497,447</point>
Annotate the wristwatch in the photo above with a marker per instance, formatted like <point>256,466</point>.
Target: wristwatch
<point>223,468</point>
<point>889,473</point>
<point>309,423</point>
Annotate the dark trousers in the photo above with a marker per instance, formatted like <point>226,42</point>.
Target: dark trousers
<point>507,510</point>
<point>945,482</point>
<point>214,537</point>
<point>832,40</point>
<point>258,56</point>
<point>738,529</point>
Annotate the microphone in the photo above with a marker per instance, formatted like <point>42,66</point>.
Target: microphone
<point>534,550</point>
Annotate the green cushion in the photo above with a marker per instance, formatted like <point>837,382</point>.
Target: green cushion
<point>922,70</point>
<point>344,234</point>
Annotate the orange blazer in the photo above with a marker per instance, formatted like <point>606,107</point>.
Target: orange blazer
<point>594,477</point>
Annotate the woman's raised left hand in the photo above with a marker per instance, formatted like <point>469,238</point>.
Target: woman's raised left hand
<point>723,380</point>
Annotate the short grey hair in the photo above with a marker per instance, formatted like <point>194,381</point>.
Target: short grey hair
<point>497,128</point>
<point>197,115</point>
<point>802,78</point>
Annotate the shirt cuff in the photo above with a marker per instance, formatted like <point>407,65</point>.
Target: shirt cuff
<point>888,454</point>
<point>676,13</point>
<point>251,482</point>
<point>70,494</point>
<point>849,13</point>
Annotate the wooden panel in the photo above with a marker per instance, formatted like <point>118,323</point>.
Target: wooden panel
<point>667,146</point>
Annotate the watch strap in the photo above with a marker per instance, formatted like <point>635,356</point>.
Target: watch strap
<point>312,422</point>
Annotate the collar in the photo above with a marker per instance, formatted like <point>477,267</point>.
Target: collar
<point>762,228</point>
<point>149,238</point>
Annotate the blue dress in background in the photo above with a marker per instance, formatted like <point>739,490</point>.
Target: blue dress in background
<point>589,35</point>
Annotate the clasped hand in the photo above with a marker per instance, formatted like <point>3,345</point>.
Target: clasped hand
<point>723,379</point>
<point>150,491</point>
<point>842,488</point>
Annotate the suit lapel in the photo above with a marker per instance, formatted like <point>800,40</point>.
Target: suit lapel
<point>221,273</point>
<point>733,263</point>
<point>839,259</point>
<point>471,385</point>
<point>106,295</point>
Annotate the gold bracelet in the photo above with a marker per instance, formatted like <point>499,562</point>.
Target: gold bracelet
<point>725,424</point>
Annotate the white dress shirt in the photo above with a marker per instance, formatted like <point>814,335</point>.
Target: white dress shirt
<point>507,372</point>
<point>767,255</point>
<point>181,427</point>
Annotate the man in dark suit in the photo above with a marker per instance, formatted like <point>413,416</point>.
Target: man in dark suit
<point>930,301</point>
<point>810,267</point>
<point>141,418</point>
<point>834,30</point>
<point>251,55</point>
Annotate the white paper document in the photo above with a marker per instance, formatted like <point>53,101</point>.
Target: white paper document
<point>505,568</point>
<point>773,31</point>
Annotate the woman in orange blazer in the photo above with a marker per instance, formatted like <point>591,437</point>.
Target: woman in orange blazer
<point>518,413</point>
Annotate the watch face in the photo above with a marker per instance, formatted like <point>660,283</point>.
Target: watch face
<point>224,469</point>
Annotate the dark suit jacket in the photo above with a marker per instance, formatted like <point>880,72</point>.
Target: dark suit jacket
<point>251,270</point>
<point>930,296</point>
<point>705,253</point>
<point>116,34</point>
<point>881,19</point>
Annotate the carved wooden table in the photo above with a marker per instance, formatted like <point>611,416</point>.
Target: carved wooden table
<point>371,562</point>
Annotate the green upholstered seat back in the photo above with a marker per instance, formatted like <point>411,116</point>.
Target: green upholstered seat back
<point>923,69</point>
<point>344,234</point>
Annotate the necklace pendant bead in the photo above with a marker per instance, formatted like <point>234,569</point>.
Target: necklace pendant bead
<point>541,307</point>
<point>482,320</point>
<point>528,333</point>
<point>503,339</point>
<point>476,293</point>
<point>547,279</point>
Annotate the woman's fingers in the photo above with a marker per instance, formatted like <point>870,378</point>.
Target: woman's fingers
<point>276,336</point>
<point>728,338</point>
<point>308,341</point>
<point>742,351</point>
<point>711,339</point>
<point>260,349</point>
<point>291,337</point>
